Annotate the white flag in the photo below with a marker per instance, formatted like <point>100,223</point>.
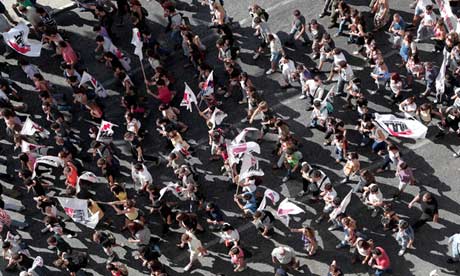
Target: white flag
<point>209,84</point>
<point>241,136</point>
<point>440,84</point>
<point>17,39</point>
<point>217,117</point>
<point>137,42</point>
<point>28,147</point>
<point>401,127</point>
<point>77,209</point>
<point>30,128</point>
<point>98,88</point>
<point>87,176</point>
<point>343,206</point>
<point>250,167</point>
<point>49,160</point>
<point>106,132</point>
<point>175,188</point>
<point>189,98</point>
<point>272,195</point>
<point>287,208</point>
<point>235,150</point>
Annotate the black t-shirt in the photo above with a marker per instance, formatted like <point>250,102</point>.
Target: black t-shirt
<point>235,74</point>
<point>430,208</point>
<point>38,189</point>
<point>165,211</point>
<point>62,245</point>
<point>76,262</point>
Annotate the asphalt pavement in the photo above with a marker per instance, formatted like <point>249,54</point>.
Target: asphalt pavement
<point>436,169</point>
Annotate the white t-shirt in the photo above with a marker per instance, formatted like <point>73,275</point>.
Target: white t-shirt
<point>275,44</point>
<point>131,126</point>
<point>143,176</point>
<point>395,86</point>
<point>338,58</point>
<point>251,188</point>
<point>315,90</point>
<point>346,73</point>
<point>375,198</point>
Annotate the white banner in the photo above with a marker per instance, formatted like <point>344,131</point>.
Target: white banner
<point>17,39</point>
<point>400,127</point>
<point>189,98</point>
<point>250,167</point>
<point>28,147</point>
<point>77,209</point>
<point>30,128</point>
<point>272,195</point>
<point>450,19</point>
<point>137,42</point>
<point>106,132</point>
<point>98,88</point>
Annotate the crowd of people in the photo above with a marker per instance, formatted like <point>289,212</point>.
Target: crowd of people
<point>183,208</point>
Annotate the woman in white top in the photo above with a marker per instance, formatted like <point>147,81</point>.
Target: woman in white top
<point>195,247</point>
<point>408,107</point>
<point>230,235</point>
<point>396,86</point>
<point>132,124</point>
<point>337,56</point>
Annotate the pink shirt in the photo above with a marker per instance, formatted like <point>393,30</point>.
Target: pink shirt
<point>69,55</point>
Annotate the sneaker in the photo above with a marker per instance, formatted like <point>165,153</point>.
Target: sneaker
<point>285,179</point>
<point>187,267</point>
<point>374,213</point>
<point>401,252</point>
<point>269,72</point>
<point>244,120</point>
<point>356,53</point>
<point>333,228</point>
<point>319,220</point>
<point>452,261</point>
<point>303,96</point>
<point>256,56</point>
<point>344,181</point>
<point>456,155</point>
<point>70,236</point>
<point>362,144</point>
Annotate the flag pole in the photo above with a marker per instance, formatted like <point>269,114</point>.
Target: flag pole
<point>143,73</point>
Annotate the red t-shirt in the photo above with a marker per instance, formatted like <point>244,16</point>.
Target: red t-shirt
<point>164,95</point>
<point>382,261</point>
<point>72,177</point>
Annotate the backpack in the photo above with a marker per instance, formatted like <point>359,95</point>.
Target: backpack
<point>144,12</point>
<point>329,107</point>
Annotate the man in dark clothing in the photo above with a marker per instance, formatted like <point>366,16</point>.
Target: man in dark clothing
<point>60,245</point>
<point>429,206</point>
<point>215,216</point>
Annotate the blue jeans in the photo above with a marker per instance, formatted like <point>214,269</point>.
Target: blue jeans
<point>342,26</point>
<point>176,37</point>
<point>379,272</point>
<point>339,154</point>
<point>378,146</point>
<point>386,163</point>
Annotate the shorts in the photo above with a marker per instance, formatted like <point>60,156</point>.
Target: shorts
<point>418,11</point>
<point>275,57</point>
